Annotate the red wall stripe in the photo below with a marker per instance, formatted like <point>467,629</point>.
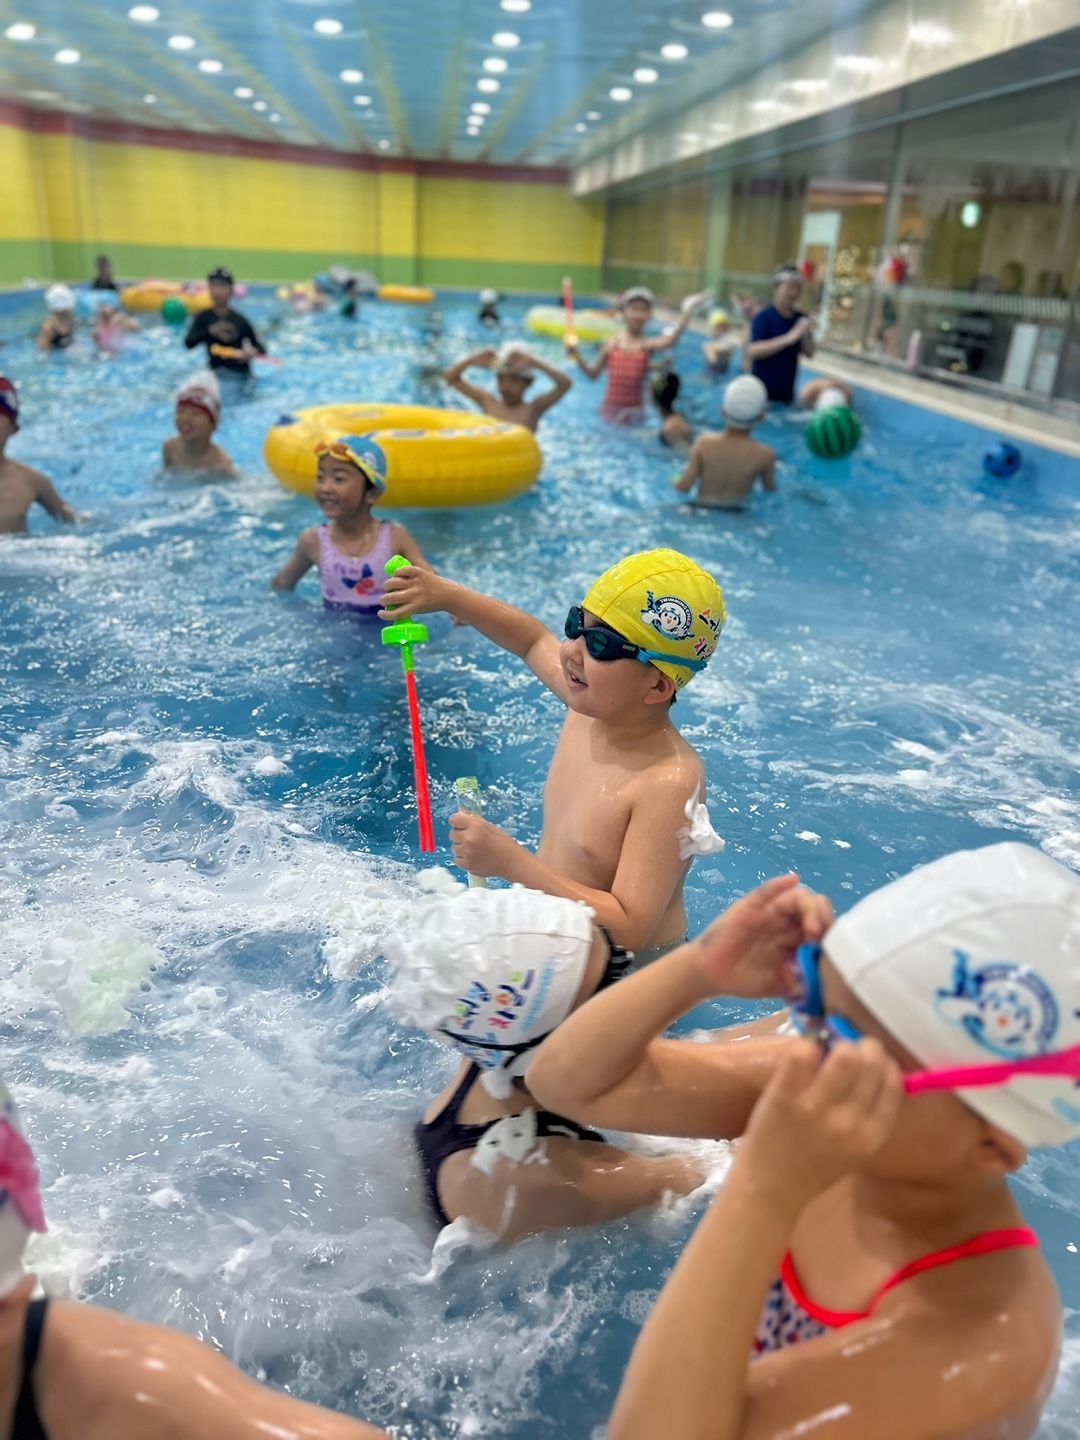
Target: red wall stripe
<point>90,128</point>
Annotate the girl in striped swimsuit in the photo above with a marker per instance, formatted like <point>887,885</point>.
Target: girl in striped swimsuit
<point>626,357</point>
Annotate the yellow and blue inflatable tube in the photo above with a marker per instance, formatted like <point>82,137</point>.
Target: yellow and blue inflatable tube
<point>148,296</point>
<point>589,325</point>
<point>406,294</point>
<point>436,458</point>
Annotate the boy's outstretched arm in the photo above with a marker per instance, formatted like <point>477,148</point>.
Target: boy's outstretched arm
<point>455,377</point>
<point>412,591</point>
<point>48,496</point>
<point>560,387</point>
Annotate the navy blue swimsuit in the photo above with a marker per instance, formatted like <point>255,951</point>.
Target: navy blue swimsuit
<point>26,1423</point>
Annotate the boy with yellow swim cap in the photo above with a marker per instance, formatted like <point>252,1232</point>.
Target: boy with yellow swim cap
<point>622,805</point>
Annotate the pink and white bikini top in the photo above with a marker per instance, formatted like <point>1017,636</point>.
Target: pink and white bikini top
<point>790,1315</point>
<point>354,582</point>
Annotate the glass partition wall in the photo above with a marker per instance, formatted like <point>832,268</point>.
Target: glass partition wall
<point>949,245</point>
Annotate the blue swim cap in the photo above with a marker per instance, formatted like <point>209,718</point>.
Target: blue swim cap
<point>364,452</point>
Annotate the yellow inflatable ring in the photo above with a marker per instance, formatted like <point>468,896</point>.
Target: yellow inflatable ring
<point>588,324</point>
<point>406,294</point>
<point>439,458</point>
<point>149,295</point>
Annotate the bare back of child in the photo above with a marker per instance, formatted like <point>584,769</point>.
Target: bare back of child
<point>726,465</point>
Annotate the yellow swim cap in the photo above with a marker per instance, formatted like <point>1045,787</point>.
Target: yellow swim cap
<point>719,317</point>
<point>662,601</point>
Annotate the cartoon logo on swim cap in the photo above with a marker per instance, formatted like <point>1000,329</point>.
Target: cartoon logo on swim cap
<point>1007,1009</point>
<point>671,616</point>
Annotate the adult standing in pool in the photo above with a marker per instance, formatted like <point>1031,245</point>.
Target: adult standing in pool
<point>104,279</point>
<point>221,328</point>
<point>779,334</point>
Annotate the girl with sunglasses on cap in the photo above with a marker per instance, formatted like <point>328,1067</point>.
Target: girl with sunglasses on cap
<point>352,548</point>
<point>866,1270</point>
<point>80,1372</point>
<point>627,356</point>
<point>623,801</point>
<point>491,973</point>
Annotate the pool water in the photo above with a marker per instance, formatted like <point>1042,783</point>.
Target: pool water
<point>205,807</point>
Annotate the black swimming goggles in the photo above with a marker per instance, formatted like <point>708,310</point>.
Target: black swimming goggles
<point>603,643</point>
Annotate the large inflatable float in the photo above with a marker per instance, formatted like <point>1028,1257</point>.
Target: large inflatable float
<point>438,458</point>
<point>589,325</point>
<point>148,296</point>
<point>406,294</point>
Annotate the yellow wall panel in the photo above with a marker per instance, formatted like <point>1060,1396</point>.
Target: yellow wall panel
<point>500,220</point>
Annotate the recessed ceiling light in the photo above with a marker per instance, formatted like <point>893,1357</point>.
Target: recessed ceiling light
<point>506,40</point>
<point>717,19</point>
<point>858,64</point>
<point>329,27</point>
<point>765,107</point>
<point>621,93</point>
<point>243,92</point>
<point>674,52</point>
<point>21,30</point>
<point>480,107</point>
<point>807,87</point>
<point>928,32</point>
<point>149,99</point>
<point>495,64</point>
<point>145,14</point>
<point>67,57</point>
<point>181,42</point>
<point>260,105</point>
<point>487,86</point>
<point>581,127</point>
<point>274,118</point>
<point>646,75</point>
<point>211,67</point>
<point>516,7</point>
<point>42,95</point>
<point>384,144</point>
<point>592,114</point>
<point>353,77</point>
<point>361,99</point>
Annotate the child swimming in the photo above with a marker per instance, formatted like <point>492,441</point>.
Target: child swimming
<point>825,393</point>
<point>111,325</point>
<point>622,804</point>
<point>198,410</point>
<point>58,328</point>
<point>515,371</point>
<point>80,1372</point>
<point>721,344</point>
<point>488,314</point>
<point>725,466</point>
<point>493,972</point>
<point>675,430</point>
<point>20,486</point>
<point>865,1270</point>
<point>352,549</point>
<point>626,357</point>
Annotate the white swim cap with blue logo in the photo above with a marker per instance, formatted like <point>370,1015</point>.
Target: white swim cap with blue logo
<point>976,958</point>
<point>492,972</point>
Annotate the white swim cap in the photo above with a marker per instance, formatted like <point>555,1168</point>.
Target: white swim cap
<point>973,958</point>
<point>636,292</point>
<point>514,359</point>
<point>203,391</point>
<point>59,297</point>
<point>745,402</point>
<point>830,397</point>
<point>20,1195</point>
<point>493,972</point>
<point>488,297</point>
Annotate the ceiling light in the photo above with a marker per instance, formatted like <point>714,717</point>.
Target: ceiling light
<point>646,75</point>
<point>181,42</point>
<point>211,67</point>
<point>487,86</point>
<point>858,64</point>
<point>243,92</point>
<point>765,107</point>
<point>621,93</point>
<point>21,30</point>
<point>260,105</point>
<point>592,114</point>
<point>970,214</point>
<point>581,127</point>
<point>328,27</point>
<point>480,107</point>
<point>506,40</point>
<point>274,118</point>
<point>42,95</point>
<point>495,64</point>
<point>807,87</point>
<point>361,99</point>
<point>717,19</point>
<point>674,52</point>
<point>516,7</point>
<point>67,57</point>
<point>353,77</point>
<point>384,144</point>
<point>149,99</point>
<point>928,32</point>
<point>145,14</point>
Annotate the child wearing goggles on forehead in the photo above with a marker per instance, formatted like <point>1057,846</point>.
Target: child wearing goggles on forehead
<point>352,548</point>
<point>865,1270</point>
<point>623,811</point>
